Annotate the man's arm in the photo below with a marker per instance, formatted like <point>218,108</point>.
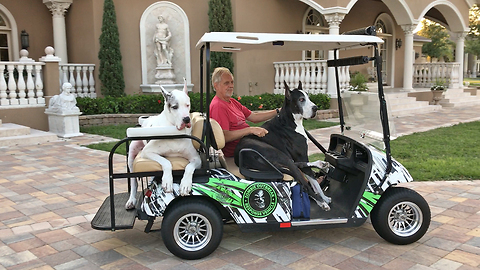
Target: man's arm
<point>256,117</point>
<point>232,135</point>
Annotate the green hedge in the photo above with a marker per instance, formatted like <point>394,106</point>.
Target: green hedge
<point>154,103</point>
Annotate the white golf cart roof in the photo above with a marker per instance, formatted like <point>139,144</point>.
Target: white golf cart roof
<point>242,41</point>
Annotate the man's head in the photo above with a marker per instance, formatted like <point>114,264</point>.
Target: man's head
<point>222,81</point>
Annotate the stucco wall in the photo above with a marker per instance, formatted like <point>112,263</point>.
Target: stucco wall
<point>36,19</point>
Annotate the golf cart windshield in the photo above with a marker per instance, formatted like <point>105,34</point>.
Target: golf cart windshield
<point>362,117</point>
<point>360,121</point>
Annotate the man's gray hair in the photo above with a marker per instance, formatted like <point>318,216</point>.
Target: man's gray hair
<point>218,73</point>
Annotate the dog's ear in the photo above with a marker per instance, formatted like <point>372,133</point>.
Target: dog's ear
<point>185,89</point>
<point>299,85</point>
<point>287,90</point>
<point>167,95</point>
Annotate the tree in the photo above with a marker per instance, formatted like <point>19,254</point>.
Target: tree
<point>440,46</point>
<point>111,68</point>
<point>220,20</point>
<point>472,42</point>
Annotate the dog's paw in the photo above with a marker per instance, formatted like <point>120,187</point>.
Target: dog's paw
<point>167,186</point>
<point>130,204</point>
<point>323,204</point>
<point>185,189</point>
<point>328,200</point>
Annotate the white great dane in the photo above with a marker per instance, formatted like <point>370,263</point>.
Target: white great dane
<point>176,112</point>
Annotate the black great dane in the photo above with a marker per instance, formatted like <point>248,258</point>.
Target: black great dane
<point>285,145</point>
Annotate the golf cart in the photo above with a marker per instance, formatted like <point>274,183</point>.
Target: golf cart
<point>361,177</point>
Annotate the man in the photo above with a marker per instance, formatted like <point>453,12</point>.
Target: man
<point>231,115</point>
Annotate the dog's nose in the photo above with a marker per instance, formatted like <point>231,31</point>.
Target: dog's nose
<point>314,108</point>
<point>186,119</point>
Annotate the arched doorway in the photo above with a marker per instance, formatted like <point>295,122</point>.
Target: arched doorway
<point>385,30</point>
<point>314,24</point>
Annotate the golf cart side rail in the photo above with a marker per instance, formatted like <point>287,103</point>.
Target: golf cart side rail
<point>112,176</point>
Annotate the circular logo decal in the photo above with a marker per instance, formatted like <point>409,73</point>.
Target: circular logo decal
<point>259,200</point>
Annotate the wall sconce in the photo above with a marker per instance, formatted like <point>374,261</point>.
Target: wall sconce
<point>24,39</point>
<point>398,43</point>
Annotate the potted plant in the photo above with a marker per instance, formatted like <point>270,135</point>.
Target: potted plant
<point>437,89</point>
<point>358,83</point>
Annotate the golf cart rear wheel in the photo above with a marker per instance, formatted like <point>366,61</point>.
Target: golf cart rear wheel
<point>192,229</point>
<point>401,216</point>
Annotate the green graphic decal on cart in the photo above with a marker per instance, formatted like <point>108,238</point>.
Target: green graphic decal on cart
<point>367,202</point>
<point>226,192</point>
<point>259,200</point>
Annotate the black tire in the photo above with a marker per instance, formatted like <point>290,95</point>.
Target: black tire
<point>401,216</point>
<point>192,229</point>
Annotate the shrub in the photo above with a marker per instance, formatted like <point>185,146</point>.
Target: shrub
<point>154,103</point>
<point>220,20</point>
<point>110,70</point>
<point>358,82</point>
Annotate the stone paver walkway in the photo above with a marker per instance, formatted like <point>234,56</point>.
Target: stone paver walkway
<point>50,192</point>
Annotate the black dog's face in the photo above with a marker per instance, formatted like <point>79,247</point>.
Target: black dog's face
<point>300,103</point>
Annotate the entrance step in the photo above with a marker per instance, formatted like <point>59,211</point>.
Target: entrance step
<point>400,104</point>
<point>13,134</point>
<point>8,130</point>
<point>458,97</point>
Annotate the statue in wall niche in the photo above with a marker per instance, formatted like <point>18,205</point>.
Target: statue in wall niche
<point>65,102</point>
<point>163,51</point>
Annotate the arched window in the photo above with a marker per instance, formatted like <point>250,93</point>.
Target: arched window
<point>5,39</point>
<point>314,24</point>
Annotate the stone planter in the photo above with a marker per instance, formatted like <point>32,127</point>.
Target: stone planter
<point>437,96</point>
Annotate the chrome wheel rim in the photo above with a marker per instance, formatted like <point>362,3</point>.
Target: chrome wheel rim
<point>405,219</point>
<point>192,232</point>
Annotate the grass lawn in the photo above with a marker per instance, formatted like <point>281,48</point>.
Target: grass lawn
<point>451,153</point>
<point>473,81</point>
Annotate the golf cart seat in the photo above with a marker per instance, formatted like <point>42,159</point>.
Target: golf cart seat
<point>178,163</point>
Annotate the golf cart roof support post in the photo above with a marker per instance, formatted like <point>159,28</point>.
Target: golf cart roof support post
<point>207,86</point>
<point>201,78</point>
<point>339,96</point>
<point>383,116</point>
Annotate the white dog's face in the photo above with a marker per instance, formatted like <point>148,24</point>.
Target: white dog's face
<point>177,103</point>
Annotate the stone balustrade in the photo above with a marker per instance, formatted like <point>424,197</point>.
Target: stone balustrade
<point>427,74</point>
<point>312,74</point>
<point>81,77</point>
<point>21,84</point>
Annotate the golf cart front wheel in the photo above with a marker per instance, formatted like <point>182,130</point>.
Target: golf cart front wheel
<point>401,216</point>
<point>192,229</point>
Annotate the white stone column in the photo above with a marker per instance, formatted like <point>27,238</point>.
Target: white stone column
<point>409,56</point>
<point>58,9</point>
<point>334,20</point>
<point>459,54</point>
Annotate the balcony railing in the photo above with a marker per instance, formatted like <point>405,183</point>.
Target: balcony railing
<point>426,75</point>
<point>21,84</point>
<point>81,77</point>
<point>312,74</point>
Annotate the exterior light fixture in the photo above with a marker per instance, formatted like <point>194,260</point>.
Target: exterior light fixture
<point>398,43</point>
<point>24,39</point>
